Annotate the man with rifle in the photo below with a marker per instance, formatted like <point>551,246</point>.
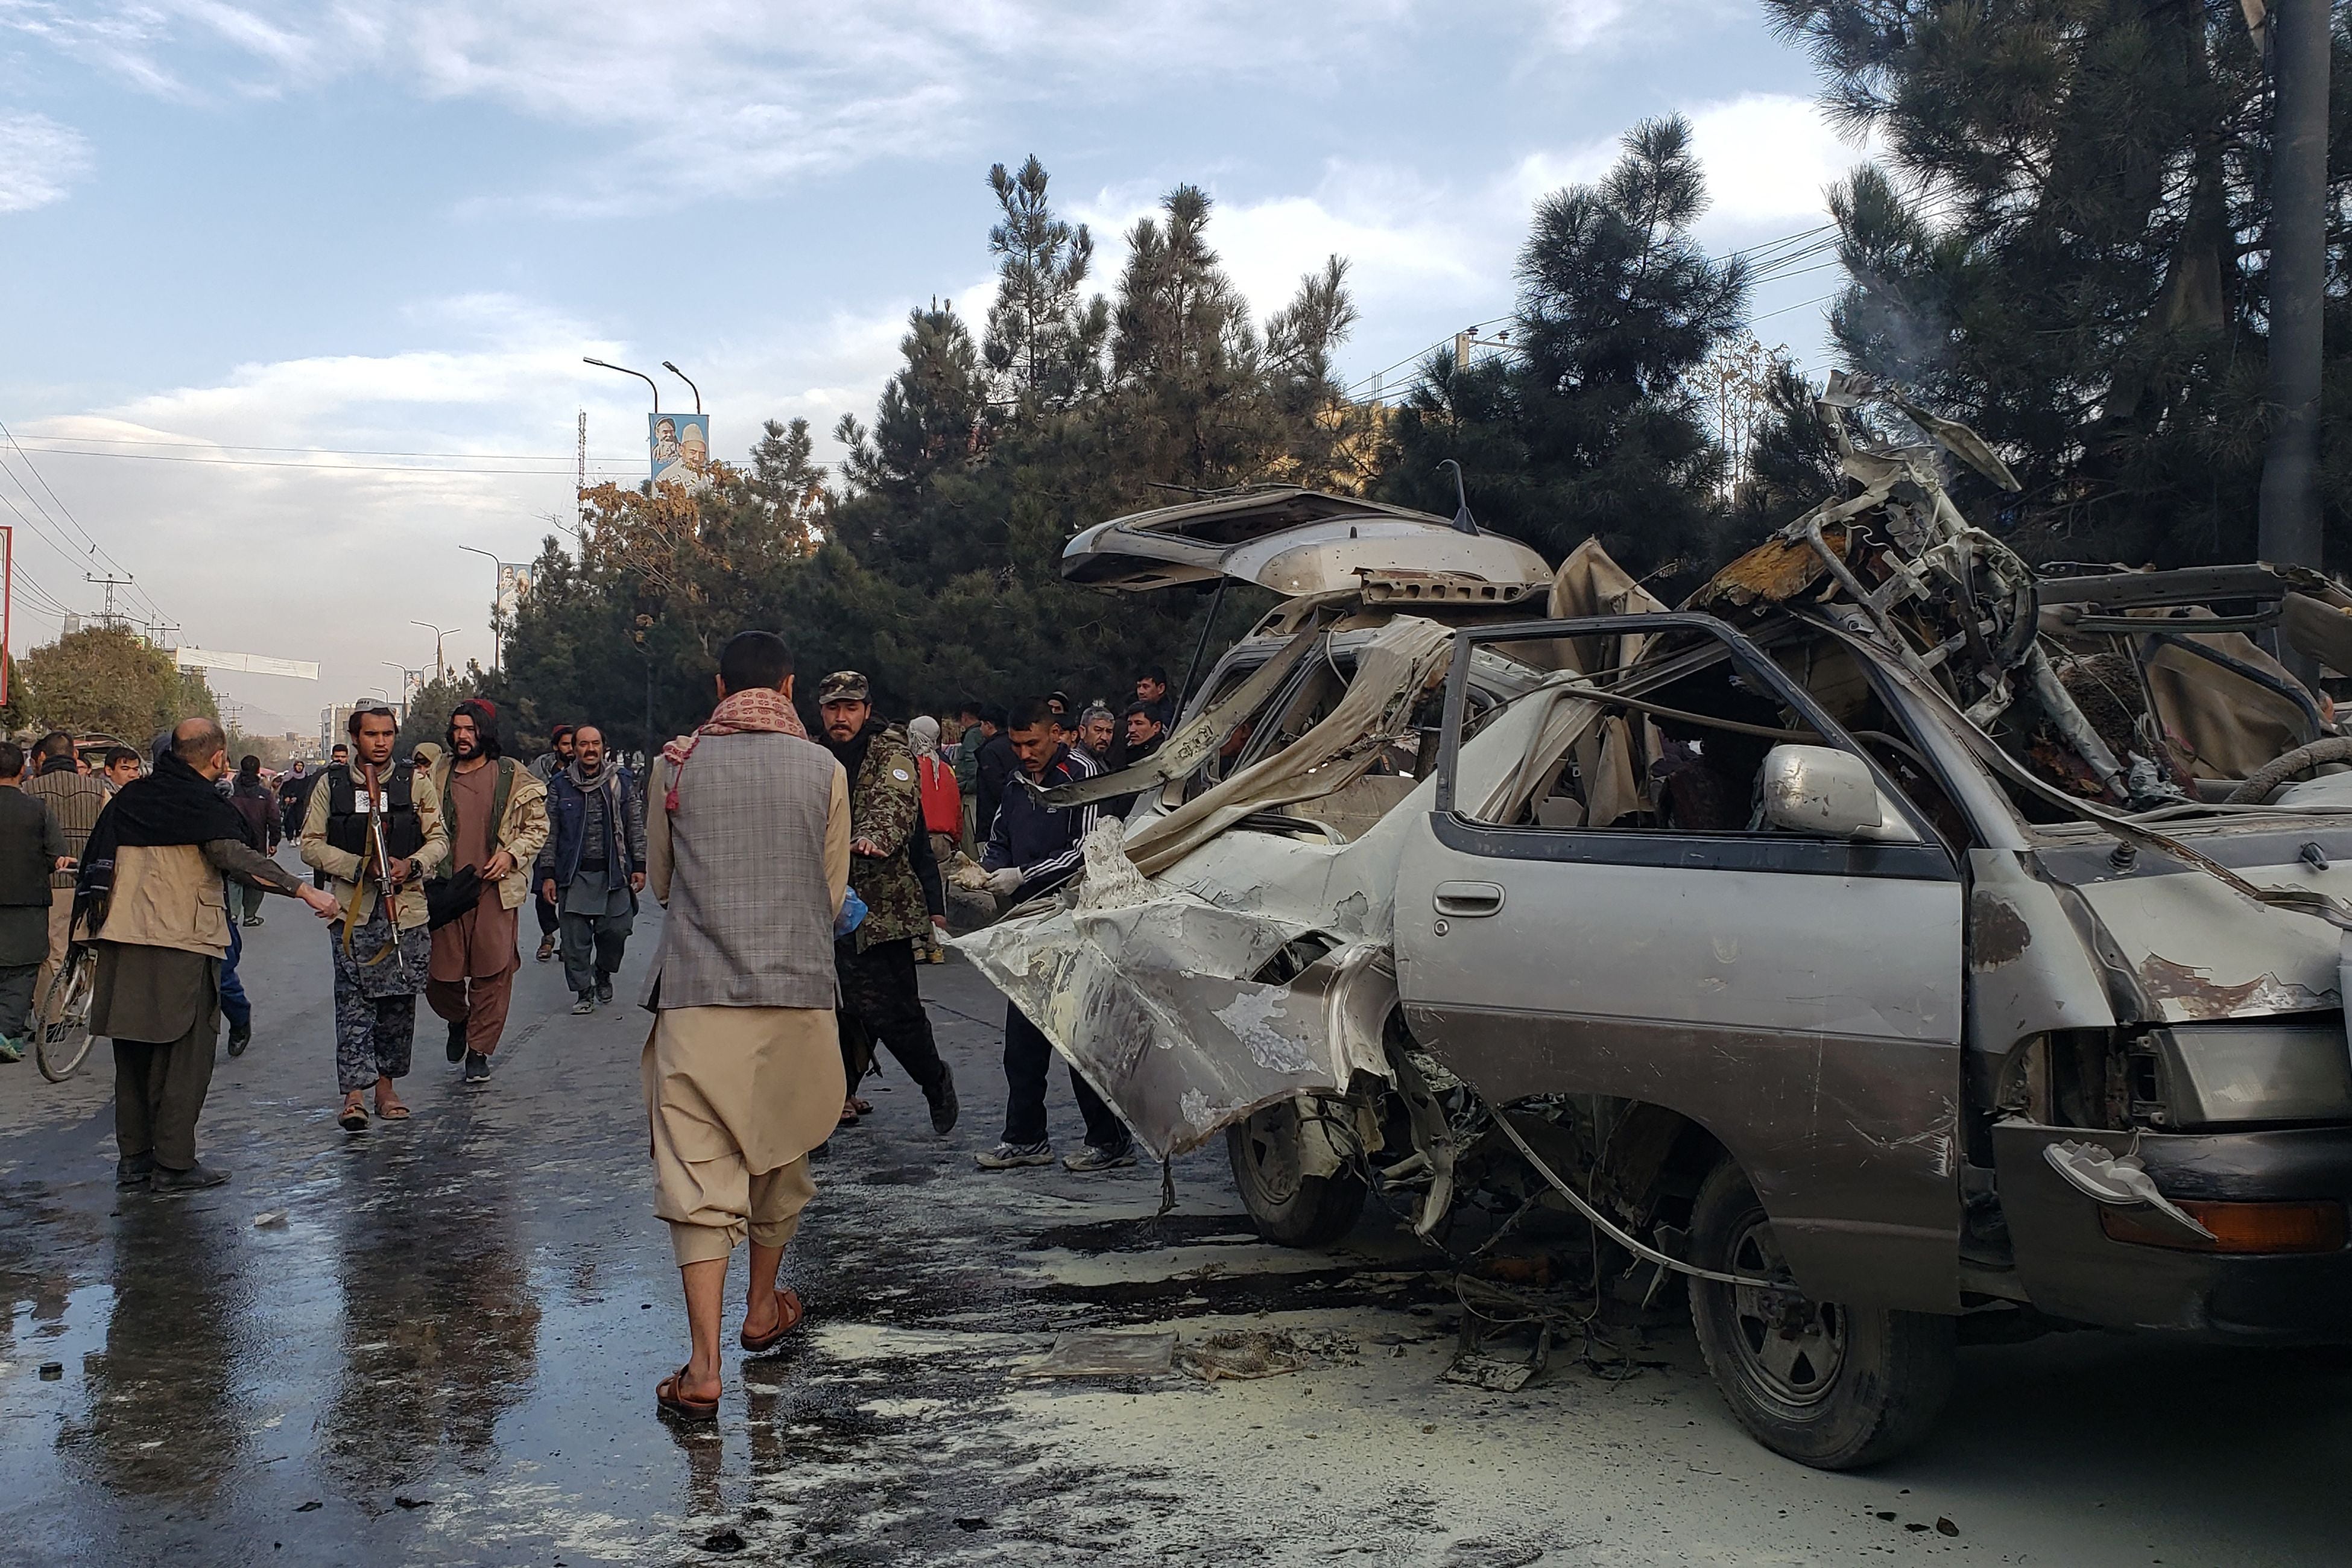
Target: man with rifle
<point>374,827</point>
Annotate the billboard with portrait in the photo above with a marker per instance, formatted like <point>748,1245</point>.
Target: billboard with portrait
<point>681,445</point>
<point>514,581</point>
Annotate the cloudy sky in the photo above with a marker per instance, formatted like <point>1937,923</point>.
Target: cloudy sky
<point>298,290</point>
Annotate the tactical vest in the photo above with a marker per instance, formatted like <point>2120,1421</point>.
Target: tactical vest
<point>346,825</point>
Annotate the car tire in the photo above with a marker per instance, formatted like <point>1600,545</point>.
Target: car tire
<point>1826,1386</point>
<point>1290,1209</point>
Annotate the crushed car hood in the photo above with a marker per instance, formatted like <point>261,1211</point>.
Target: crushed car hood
<point>1291,540</point>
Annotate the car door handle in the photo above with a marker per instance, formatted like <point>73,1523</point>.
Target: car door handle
<point>1468,901</point>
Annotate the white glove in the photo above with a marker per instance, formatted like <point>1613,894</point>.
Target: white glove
<point>1005,883</point>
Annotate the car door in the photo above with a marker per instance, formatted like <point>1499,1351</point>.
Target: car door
<point>1799,997</point>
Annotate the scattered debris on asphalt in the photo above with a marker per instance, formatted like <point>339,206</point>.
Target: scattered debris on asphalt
<point>1106,1353</point>
<point>1479,1370</point>
<point>1259,1353</point>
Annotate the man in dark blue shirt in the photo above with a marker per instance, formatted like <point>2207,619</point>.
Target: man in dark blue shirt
<point>1032,849</point>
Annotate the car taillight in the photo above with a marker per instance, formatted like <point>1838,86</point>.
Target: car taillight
<point>2236,1227</point>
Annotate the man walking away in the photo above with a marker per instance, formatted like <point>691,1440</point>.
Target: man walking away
<point>150,887</point>
<point>290,790</point>
<point>750,852</point>
<point>1034,850</point>
<point>594,864</point>
<point>257,804</point>
<point>495,816</point>
<point>995,768</point>
<point>553,761</point>
<point>75,798</point>
<point>374,826</point>
<point>877,961</point>
<point>32,850</point>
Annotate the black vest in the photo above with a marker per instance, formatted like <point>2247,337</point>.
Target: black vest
<point>346,825</point>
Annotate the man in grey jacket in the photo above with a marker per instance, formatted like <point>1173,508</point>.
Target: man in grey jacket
<point>749,851</point>
<point>593,866</point>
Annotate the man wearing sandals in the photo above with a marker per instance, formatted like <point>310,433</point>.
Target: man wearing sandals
<point>374,826</point>
<point>748,842</point>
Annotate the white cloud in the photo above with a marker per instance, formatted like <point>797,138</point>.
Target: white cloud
<point>730,97</point>
<point>1768,158</point>
<point>40,159</point>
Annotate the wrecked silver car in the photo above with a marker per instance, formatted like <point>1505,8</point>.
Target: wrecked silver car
<point>1890,936</point>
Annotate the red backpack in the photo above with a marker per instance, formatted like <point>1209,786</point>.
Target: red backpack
<point>942,798</point>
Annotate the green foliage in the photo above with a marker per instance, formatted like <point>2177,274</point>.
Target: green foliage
<point>1589,425</point>
<point>108,679</point>
<point>2064,249</point>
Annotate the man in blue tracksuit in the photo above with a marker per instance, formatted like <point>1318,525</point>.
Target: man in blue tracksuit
<point>1032,848</point>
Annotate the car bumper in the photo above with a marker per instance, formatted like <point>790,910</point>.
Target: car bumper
<point>2072,1268</point>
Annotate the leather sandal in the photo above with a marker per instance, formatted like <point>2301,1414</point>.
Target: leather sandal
<point>353,1118</point>
<point>671,1399</point>
<point>789,1313</point>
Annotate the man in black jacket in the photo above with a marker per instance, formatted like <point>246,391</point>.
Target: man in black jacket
<point>32,850</point>
<point>1033,849</point>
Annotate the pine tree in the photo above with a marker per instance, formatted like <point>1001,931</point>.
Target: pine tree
<point>1045,341</point>
<point>2063,248</point>
<point>1588,425</point>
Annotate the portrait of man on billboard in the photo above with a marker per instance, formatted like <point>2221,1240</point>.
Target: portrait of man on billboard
<point>681,445</point>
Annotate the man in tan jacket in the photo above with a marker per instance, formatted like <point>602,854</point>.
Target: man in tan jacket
<point>496,818</point>
<point>374,827</point>
<point>152,883</point>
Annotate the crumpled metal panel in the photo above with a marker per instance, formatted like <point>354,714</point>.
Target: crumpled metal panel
<point>1152,1002</point>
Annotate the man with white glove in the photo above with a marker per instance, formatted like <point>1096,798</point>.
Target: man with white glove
<point>1032,848</point>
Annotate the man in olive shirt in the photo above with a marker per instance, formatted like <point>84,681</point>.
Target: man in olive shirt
<point>75,798</point>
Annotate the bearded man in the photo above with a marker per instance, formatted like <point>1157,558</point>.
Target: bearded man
<point>593,866</point>
<point>495,815</point>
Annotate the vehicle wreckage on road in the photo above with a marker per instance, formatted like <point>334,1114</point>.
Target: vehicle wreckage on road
<point>1891,934</point>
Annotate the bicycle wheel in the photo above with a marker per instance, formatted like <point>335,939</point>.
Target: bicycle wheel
<point>61,1035</point>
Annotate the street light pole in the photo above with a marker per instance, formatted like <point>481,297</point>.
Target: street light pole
<point>440,666</point>
<point>689,384</point>
<point>497,628</point>
<point>641,375</point>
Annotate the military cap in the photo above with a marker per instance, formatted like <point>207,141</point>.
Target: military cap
<point>844,685</point>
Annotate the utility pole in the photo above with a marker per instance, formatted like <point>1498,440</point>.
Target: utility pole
<point>583,453</point>
<point>111,584</point>
<point>440,666</point>
<point>2298,32</point>
<point>498,622</point>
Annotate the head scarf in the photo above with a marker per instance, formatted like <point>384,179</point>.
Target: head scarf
<point>762,710</point>
<point>923,735</point>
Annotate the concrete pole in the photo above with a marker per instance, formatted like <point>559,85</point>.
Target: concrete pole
<point>2289,532</point>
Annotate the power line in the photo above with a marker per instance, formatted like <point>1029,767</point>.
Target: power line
<point>96,548</point>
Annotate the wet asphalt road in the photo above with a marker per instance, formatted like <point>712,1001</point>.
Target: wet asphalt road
<point>446,1353</point>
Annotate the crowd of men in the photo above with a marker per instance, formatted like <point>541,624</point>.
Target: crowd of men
<point>803,877</point>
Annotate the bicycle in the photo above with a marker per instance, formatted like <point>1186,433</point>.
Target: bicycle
<point>62,1042</point>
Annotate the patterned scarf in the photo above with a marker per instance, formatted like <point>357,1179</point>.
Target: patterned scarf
<point>760,711</point>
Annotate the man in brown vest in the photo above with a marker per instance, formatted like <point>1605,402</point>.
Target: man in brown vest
<point>75,798</point>
<point>748,847</point>
<point>495,815</point>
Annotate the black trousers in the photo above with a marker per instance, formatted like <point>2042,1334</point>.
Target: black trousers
<point>1028,1054</point>
<point>881,1005</point>
<point>545,907</point>
<point>159,1093</point>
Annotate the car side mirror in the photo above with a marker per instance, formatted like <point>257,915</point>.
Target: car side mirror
<point>1821,791</point>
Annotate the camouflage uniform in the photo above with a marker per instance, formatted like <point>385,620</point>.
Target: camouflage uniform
<point>876,964</point>
<point>886,806</point>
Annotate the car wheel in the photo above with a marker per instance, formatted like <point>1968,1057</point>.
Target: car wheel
<point>1288,1208</point>
<point>1828,1385</point>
